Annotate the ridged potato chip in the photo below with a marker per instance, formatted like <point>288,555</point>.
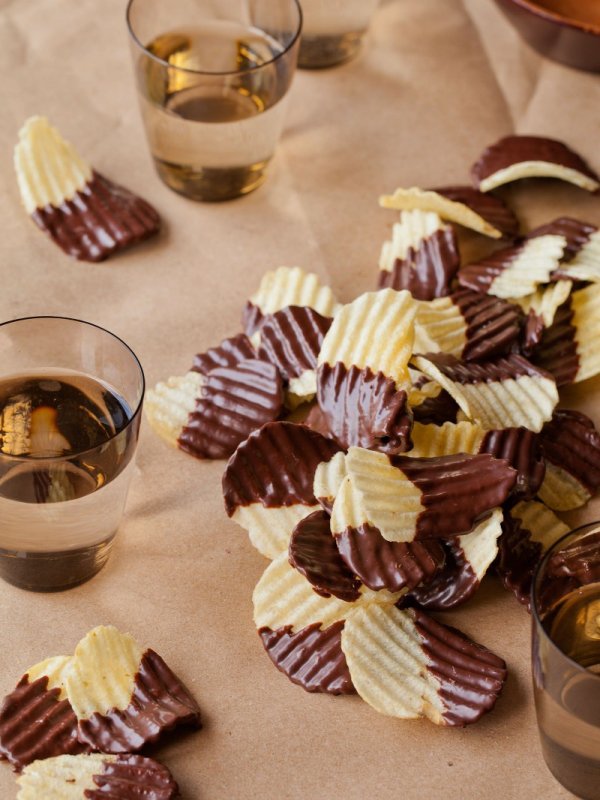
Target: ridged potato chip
<point>424,200</point>
<point>545,300</point>
<point>169,405</point>
<point>269,529</point>
<point>446,439</point>
<point>376,331</point>
<point>328,479</point>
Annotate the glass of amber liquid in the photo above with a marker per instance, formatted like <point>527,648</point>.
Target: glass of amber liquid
<point>213,79</point>
<point>566,659</point>
<point>70,405</point>
<point>333,31</point>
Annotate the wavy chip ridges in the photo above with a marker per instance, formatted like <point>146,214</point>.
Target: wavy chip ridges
<point>585,304</point>
<point>447,439</point>
<point>169,405</point>
<point>269,529</point>
<point>375,331</point>
<point>292,286</point>
<point>328,479</point>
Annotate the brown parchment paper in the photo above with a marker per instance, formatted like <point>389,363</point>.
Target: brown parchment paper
<point>436,82</point>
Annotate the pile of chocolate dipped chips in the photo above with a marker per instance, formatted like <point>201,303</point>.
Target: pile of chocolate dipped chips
<point>385,453</point>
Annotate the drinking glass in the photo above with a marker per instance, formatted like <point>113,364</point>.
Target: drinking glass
<point>333,30</point>
<point>212,79</point>
<point>566,659</point>
<point>70,406</point>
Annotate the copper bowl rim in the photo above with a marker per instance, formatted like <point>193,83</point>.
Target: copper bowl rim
<point>551,16</point>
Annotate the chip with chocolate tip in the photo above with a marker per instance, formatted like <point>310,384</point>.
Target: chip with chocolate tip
<point>422,256</point>
<point>468,325</point>
<point>169,404</point>
<point>36,719</point>
<point>453,210</point>
<point>490,208</point>
<point>541,307</point>
<point>328,479</point>
<point>88,216</point>
<point>448,439</point>
<point>571,447</point>
<point>408,499</point>
<point>124,696</point>
<point>516,157</point>
<point>407,665</point>
<point>268,482</point>
<point>509,392</point>
<point>528,530</point>
<point>375,331</point>
<point>97,776</point>
<point>468,558</point>
<point>283,287</point>
<point>364,408</point>
<point>229,353</point>
<point>429,403</point>
<point>568,348</point>
<point>291,340</point>
<point>518,270</point>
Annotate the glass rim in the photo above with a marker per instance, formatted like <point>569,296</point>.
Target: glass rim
<point>594,525</point>
<point>134,415</point>
<point>215,73</point>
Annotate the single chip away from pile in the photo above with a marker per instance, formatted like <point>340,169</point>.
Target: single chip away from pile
<point>85,214</point>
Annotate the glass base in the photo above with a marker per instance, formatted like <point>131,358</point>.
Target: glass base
<point>211,184</point>
<point>55,571</point>
<point>577,773</point>
<point>317,52</point>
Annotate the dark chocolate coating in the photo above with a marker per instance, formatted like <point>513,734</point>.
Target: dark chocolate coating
<point>35,724</point>
<point>452,586</point>
<point>471,677</point>
<point>159,703</point>
<point>312,658</point>
<point>276,467</point>
<point>388,565</point>
<point>570,441</point>
<point>234,402</point>
<point>252,318</point>
<point>521,448</point>
<point>518,556</point>
<point>229,353</point>
<point>291,339</point>
<point>99,221</point>
<point>516,149</point>
<point>480,275</point>
<point>364,409</point>
<point>427,271</point>
<point>557,352</point>
<point>436,410</point>
<point>457,491</point>
<point>511,366</point>
<point>576,232</point>
<point>317,421</point>
<point>493,325</point>
<point>133,778</point>
<point>531,334</point>
<point>312,551</point>
<point>491,208</point>
<point>569,569</point>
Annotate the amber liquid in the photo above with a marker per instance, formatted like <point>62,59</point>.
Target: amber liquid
<point>63,438</point>
<point>569,704</point>
<point>211,135</point>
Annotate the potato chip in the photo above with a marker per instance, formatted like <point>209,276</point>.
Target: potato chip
<point>169,405</point>
<point>233,402</point>
<point>571,447</point>
<point>36,719</point>
<point>546,300</point>
<point>311,658</point>
<point>421,257</point>
<point>516,157</point>
<point>85,214</point>
<point>328,479</point>
<point>492,209</point>
<point>435,201</point>
<point>124,697</point>
<point>401,497</point>
<point>287,286</point>
<point>374,331</point>
<point>507,393</point>
<point>515,271</point>
<point>447,439</point>
<point>229,353</point>
<point>96,776</point>
<point>521,448</point>
<point>406,665</point>
<point>529,529</point>
<point>268,482</point>
<point>468,558</point>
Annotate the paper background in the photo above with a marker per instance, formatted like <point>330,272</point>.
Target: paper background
<point>437,81</point>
